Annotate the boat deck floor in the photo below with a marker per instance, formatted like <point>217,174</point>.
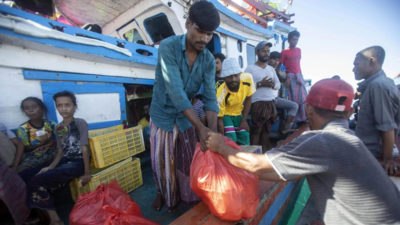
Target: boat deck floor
<point>144,196</point>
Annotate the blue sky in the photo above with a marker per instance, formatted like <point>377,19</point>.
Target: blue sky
<point>333,31</point>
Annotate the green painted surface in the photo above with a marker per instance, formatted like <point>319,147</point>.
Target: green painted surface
<point>296,204</point>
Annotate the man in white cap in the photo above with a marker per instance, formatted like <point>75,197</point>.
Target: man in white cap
<point>238,88</point>
<point>263,110</point>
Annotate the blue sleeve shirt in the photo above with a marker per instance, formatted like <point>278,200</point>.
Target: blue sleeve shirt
<point>175,84</point>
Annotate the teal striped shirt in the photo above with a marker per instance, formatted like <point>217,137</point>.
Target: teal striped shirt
<point>176,84</point>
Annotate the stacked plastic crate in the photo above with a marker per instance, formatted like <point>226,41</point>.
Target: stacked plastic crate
<point>112,150</point>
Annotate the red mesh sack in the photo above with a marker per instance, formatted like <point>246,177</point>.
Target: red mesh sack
<point>108,204</point>
<point>229,192</point>
<point>88,209</point>
<point>132,215</point>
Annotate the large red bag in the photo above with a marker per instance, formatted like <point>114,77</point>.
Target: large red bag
<point>132,215</point>
<point>88,209</point>
<point>229,192</point>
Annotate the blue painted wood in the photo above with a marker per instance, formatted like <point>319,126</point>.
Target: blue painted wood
<point>278,203</point>
<point>50,88</point>
<point>227,32</point>
<point>106,124</point>
<point>49,75</point>
<point>217,43</point>
<point>132,47</point>
<point>223,9</point>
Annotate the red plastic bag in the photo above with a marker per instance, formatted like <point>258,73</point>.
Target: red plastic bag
<point>88,208</point>
<point>132,215</point>
<point>229,192</point>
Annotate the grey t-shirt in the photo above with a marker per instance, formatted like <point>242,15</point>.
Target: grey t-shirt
<point>71,137</point>
<point>379,111</point>
<point>347,183</point>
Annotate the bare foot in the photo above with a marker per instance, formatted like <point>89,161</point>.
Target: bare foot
<point>289,131</point>
<point>32,221</point>
<point>58,222</point>
<point>158,203</point>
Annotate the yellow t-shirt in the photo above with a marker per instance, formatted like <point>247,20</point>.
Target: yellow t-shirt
<point>231,103</point>
<point>144,123</point>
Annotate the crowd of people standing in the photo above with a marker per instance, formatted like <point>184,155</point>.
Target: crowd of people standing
<point>339,165</point>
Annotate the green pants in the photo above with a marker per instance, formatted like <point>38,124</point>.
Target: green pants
<point>232,131</point>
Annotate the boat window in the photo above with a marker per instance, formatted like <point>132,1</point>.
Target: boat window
<point>251,54</point>
<point>158,27</point>
<point>240,61</point>
<point>133,36</point>
<point>239,45</point>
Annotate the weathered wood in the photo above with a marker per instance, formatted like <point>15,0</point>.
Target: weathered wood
<point>264,7</point>
<point>246,12</point>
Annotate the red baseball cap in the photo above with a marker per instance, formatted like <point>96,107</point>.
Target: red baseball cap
<point>331,94</point>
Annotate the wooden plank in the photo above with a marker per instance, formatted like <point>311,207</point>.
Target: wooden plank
<point>246,12</point>
<point>263,7</point>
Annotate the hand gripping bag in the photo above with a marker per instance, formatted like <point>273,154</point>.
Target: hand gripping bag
<point>229,192</point>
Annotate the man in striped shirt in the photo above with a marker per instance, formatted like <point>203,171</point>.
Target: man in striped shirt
<point>347,183</point>
<point>238,88</point>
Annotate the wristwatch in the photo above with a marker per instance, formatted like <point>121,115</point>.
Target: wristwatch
<point>259,84</point>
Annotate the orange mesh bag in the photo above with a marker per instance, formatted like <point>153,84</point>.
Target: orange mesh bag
<point>229,192</point>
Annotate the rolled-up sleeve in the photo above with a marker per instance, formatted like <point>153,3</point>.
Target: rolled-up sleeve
<point>172,77</point>
<point>209,96</point>
<point>384,109</point>
<point>276,81</point>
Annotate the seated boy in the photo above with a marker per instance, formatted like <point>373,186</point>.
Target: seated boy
<point>238,88</point>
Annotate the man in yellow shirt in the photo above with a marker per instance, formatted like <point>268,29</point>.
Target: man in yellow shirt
<point>234,101</point>
<point>144,122</point>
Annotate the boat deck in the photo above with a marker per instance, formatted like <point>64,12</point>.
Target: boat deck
<point>144,196</point>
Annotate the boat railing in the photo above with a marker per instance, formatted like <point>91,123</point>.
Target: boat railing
<point>261,12</point>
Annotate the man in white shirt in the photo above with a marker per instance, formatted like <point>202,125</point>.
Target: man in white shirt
<point>263,111</point>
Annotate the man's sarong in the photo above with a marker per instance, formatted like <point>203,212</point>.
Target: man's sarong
<point>171,156</point>
<point>298,93</point>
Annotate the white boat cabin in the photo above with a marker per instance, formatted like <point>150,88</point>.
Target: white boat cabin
<point>111,81</point>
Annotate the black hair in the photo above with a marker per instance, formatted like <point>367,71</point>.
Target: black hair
<point>92,27</point>
<point>65,94</point>
<point>374,51</point>
<point>330,114</point>
<point>37,101</point>
<point>275,55</point>
<point>220,56</point>
<point>205,15</point>
<point>294,33</point>
<point>199,96</point>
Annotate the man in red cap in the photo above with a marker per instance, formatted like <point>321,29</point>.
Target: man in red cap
<point>345,179</point>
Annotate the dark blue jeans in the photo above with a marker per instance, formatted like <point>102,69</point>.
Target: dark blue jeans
<point>40,187</point>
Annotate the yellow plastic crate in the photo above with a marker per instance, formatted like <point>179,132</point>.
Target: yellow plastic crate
<point>110,148</point>
<point>99,132</point>
<point>127,173</point>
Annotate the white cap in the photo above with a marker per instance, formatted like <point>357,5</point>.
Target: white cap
<point>397,81</point>
<point>230,66</point>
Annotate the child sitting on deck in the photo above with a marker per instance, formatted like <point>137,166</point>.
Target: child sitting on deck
<point>36,135</point>
<point>71,161</point>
